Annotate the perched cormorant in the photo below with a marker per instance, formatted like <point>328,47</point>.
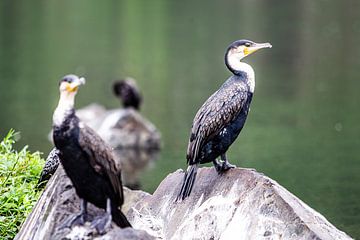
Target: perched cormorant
<point>51,164</point>
<point>87,160</point>
<point>129,93</point>
<point>97,117</point>
<point>221,118</point>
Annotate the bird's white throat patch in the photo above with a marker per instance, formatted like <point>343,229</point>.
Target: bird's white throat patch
<point>235,64</point>
<point>65,105</point>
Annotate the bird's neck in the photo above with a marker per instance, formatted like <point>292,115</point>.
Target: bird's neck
<point>242,69</point>
<point>65,108</point>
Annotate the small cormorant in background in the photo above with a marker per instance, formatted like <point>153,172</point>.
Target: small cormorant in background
<point>222,117</point>
<point>129,93</point>
<point>88,161</point>
<point>51,164</point>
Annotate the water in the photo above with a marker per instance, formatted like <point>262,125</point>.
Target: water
<point>303,129</point>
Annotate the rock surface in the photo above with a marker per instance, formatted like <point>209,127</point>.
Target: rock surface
<point>126,128</point>
<point>240,204</point>
<point>93,115</point>
<point>59,201</point>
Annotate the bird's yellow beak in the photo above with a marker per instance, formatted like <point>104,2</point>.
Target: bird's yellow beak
<point>73,87</point>
<point>255,47</point>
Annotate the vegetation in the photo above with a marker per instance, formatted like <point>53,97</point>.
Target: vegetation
<point>19,172</point>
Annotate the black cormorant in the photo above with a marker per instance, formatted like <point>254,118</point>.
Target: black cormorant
<point>129,93</point>
<point>87,160</point>
<point>51,164</point>
<point>221,118</point>
<point>130,96</point>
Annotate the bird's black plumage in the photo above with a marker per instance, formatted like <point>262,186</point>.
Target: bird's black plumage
<point>89,163</point>
<point>219,121</point>
<point>129,93</point>
<point>221,118</point>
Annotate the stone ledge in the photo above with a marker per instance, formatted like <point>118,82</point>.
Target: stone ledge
<point>241,204</point>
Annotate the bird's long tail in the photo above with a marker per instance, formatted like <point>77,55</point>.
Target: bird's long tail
<point>119,218</point>
<point>188,183</point>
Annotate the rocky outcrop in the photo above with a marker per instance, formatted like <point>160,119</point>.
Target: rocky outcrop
<point>126,128</point>
<point>59,201</point>
<point>240,204</point>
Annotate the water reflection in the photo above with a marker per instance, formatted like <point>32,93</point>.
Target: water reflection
<point>134,162</point>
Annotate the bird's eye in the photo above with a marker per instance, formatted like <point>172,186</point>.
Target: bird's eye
<point>247,44</point>
<point>67,80</point>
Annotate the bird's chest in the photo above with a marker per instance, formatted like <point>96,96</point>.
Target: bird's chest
<point>230,132</point>
<point>76,165</point>
<point>66,139</point>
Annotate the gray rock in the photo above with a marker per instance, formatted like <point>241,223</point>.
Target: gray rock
<point>126,128</point>
<point>240,204</point>
<point>126,234</point>
<point>59,201</point>
<point>93,115</point>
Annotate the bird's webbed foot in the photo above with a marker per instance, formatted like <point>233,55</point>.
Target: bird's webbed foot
<point>226,166</point>
<point>223,165</point>
<point>78,219</point>
<point>102,223</point>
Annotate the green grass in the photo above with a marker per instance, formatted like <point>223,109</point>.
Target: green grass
<point>19,172</point>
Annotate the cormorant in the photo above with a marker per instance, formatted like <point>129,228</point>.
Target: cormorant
<point>94,115</point>
<point>222,117</point>
<point>87,160</point>
<point>129,93</point>
<point>51,164</point>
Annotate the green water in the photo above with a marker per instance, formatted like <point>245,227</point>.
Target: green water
<point>303,129</point>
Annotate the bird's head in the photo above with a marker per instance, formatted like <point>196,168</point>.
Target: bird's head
<point>240,49</point>
<point>69,84</point>
<point>128,92</point>
<point>123,85</point>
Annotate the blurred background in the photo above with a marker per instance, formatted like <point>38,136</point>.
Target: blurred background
<point>303,129</point>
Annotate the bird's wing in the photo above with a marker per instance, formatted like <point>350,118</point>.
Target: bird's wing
<point>101,158</point>
<point>220,109</point>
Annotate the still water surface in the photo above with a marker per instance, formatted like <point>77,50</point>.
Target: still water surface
<point>303,129</point>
